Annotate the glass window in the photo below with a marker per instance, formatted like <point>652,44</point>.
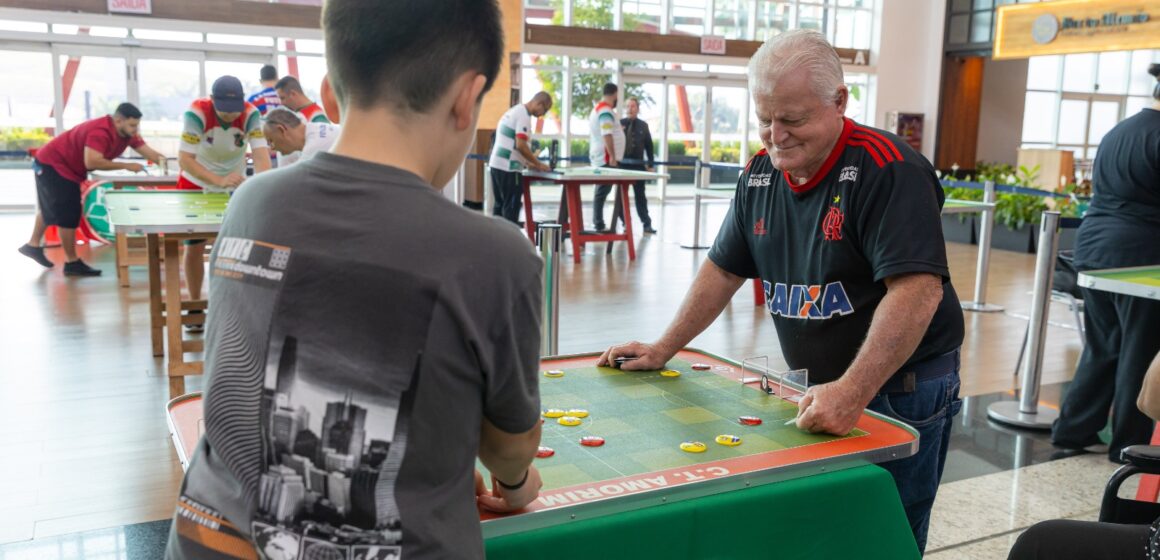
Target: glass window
<point>640,15</point>
<point>1142,82</point>
<point>960,5</point>
<point>1038,116</point>
<point>536,80</point>
<point>856,106</point>
<point>541,12</point>
<point>311,69</point>
<point>167,88</point>
<point>247,72</point>
<point>1043,72</point>
<point>25,26</point>
<point>1105,115</point>
<point>772,19</point>
<point>981,27</point>
<point>26,91</point>
<point>1073,116</point>
<point>1079,72</point>
<point>812,17</point>
<point>65,29</point>
<point>116,32</point>
<point>162,35</point>
<point>229,39</point>
<point>731,18</point>
<point>97,90</point>
<point>728,113</point>
<point>312,46</point>
<point>1113,72</point>
<point>596,14</point>
<point>1134,105</point>
<point>689,17</point>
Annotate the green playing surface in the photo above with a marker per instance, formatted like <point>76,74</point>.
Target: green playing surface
<point>644,417</point>
<point>165,207</point>
<point>1146,276</point>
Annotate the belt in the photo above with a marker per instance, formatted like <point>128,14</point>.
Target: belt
<point>906,380</point>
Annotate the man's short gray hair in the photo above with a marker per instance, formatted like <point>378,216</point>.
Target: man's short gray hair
<point>798,48</point>
<point>284,117</point>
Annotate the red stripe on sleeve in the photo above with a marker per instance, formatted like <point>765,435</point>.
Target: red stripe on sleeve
<point>870,149</point>
<point>877,144</point>
<point>875,134</point>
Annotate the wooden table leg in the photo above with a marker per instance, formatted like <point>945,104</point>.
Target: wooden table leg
<point>627,221</point>
<point>575,219</point>
<point>156,320</point>
<point>122,244</point>
<point>529,223</point>
<point>175,357</point>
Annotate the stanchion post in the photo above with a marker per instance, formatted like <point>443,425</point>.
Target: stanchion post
<point>548,240</point>
<point>697,179</point>
<point>986,231</point>
<point>1027,413</point>
<point>488,197</point>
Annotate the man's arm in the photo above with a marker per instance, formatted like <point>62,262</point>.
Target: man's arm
<point>895,332</point>
<point>190,165</point>
<point>506,455</point>
<point>710,293</point>
<point>610,149</point>
<point>648,146</point>
<point>150,154</point>
<point>96,161</point>
<point>261,159</point>
<point>530,157</point>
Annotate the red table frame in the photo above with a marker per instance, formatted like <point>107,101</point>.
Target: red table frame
<point>574,219</point>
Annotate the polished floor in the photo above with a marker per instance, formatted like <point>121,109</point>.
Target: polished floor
<point>85,445</point>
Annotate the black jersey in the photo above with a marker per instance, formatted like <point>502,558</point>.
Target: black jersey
<point>823,249</point>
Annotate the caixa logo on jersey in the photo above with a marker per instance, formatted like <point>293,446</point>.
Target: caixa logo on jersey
<point>760,180</point>
<point>798,301</point>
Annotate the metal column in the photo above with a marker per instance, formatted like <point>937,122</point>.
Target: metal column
<point>1027,413</point>
<point>986,228</point>
<point>548,239</point>
<point>698,172</point>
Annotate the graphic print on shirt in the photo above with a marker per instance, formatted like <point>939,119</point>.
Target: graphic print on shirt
<point>832,223</point>
<point>798,301</point>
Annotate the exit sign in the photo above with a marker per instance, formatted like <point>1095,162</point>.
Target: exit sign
<point>131,7</point>
<point>712,44</point>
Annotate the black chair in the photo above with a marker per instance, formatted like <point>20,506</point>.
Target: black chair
<point>1140,459</point>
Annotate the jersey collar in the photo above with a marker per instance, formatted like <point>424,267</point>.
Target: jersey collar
<point>839,147</point>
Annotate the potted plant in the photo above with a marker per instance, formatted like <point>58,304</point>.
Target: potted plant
<point>1016,215</point>
<point>963,227</point>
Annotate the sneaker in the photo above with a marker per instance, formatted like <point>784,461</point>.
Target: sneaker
<point>79,268</point>
<point>36,254</point>
<point>194,328</point>
<point>649,229</point>
<point>598,227</point>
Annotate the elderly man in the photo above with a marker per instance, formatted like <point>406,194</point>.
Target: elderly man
<point>841,222</point>
<point>295,140</point>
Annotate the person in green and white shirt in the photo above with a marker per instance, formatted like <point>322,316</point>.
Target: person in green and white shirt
<point>511,153</point>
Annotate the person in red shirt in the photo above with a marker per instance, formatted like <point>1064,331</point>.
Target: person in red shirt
<point>61,167</point>
<point>289,90</point>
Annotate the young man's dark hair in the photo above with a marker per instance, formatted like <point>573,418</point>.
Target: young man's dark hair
<point>610,89</point>
<point>127,111</point>
<point>268,73</point>
<point>373,54</point>
<point>289,83</point>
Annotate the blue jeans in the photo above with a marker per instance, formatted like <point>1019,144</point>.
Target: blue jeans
<point>930,410</point>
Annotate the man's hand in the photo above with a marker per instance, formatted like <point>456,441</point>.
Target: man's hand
<point>231,181</point>
<point>650,169</point>
<point>134,167</point>
<point>832,408</point>
<point>614,163</point>
<point>648,356</point>
<point>540,166</point>
<point>502,500</point>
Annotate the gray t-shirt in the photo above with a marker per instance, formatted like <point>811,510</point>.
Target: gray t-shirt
<point>361,326</point>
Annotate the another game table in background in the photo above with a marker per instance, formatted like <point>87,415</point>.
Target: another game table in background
<point>1140,281</point>
<point>954,206</point>
<point>130,250</point>
<point>167,218</point>
<point>571,178</point>
<point>780,493</point>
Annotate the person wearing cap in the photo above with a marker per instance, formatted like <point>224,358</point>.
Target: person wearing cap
<point>290,92</point>
<point>267,99</point>
<point>218,130</point>
<point>294,140</point>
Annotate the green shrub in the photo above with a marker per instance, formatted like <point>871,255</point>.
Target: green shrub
<point>19,138</point>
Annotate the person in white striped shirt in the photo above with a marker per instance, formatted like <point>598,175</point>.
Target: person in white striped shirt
<point>511,153</point>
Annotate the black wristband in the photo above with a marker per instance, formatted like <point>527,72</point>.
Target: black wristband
<point>516,486</point>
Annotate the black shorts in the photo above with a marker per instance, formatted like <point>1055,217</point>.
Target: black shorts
<point>59,198</point>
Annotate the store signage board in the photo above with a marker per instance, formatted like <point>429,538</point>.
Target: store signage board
<point>1075,26</point>
<point>131,7</point>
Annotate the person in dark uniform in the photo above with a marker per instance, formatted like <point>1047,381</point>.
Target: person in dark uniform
<point>842,224</point>
<point>638,147</point>
<point>1120,230</point>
